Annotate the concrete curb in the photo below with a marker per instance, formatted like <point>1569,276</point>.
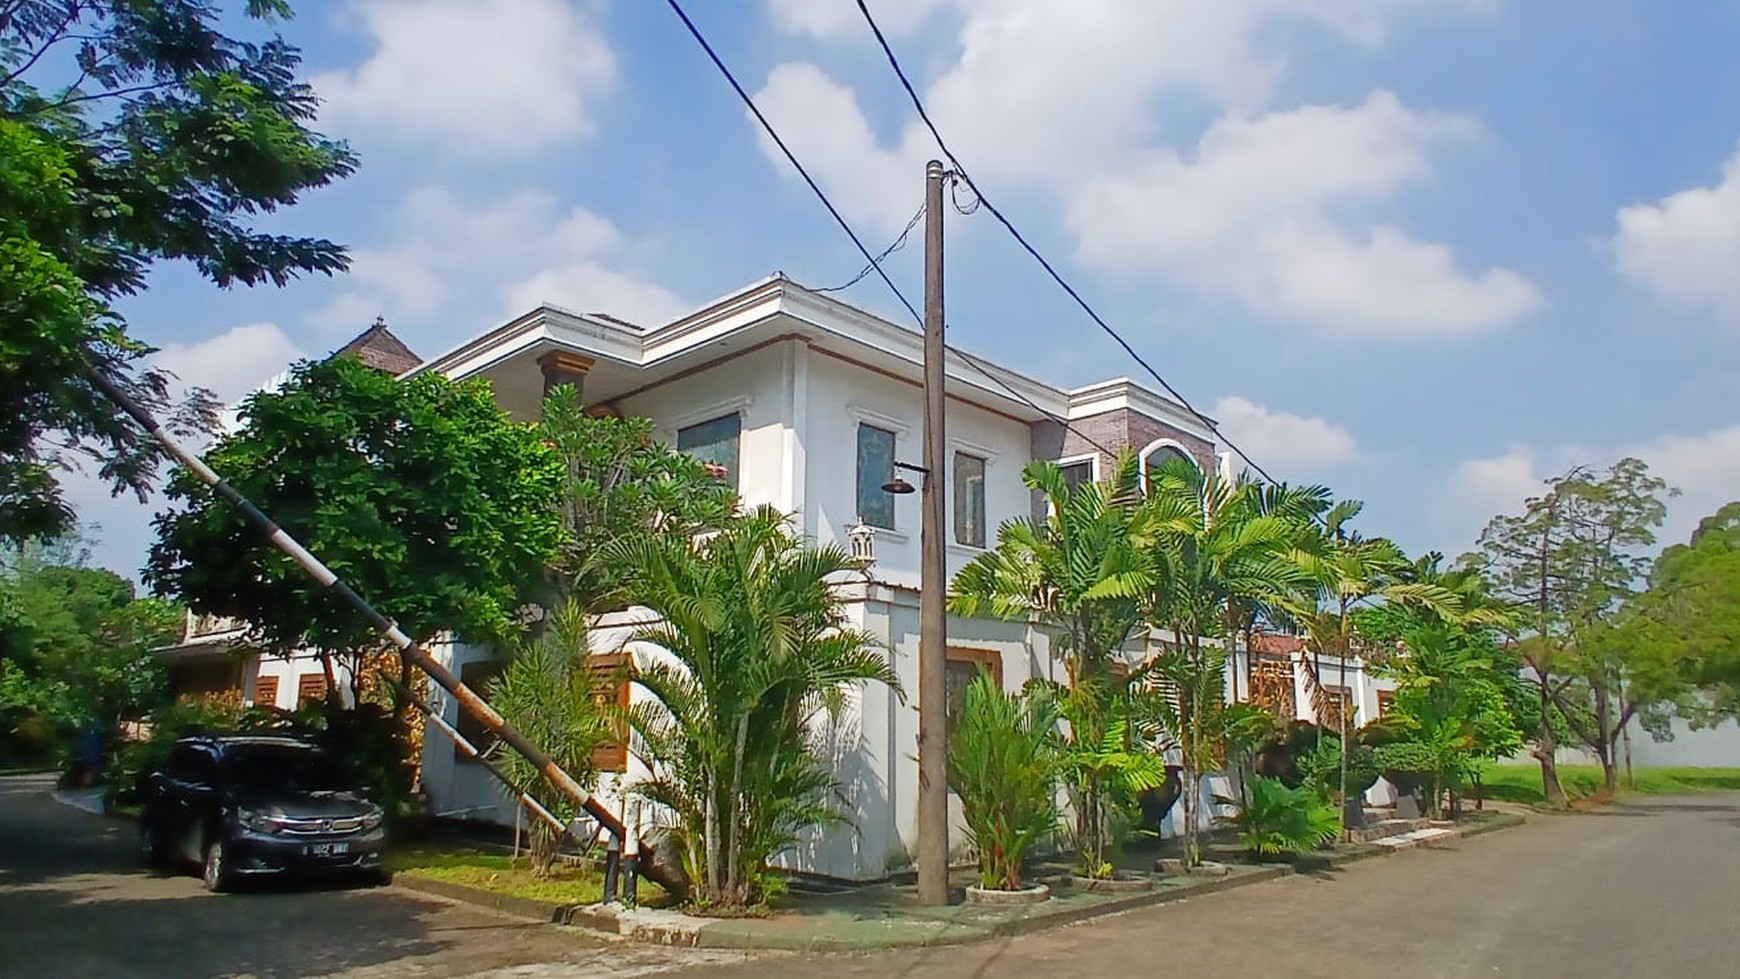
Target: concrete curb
<point>520,907</point>
<point>671,928</point>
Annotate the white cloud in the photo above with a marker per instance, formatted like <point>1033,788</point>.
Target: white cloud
<point>518,251</point>
<point>832,20</point>
<point>1273,209</point>
<point>1480,489</point>
<point>1249,214</point>
<point>1705,468</point>
<point>1283,441</point>
<point>1686,248</point>
<point>488,76</point>
<point>232,363</point>
<point>821,121</point>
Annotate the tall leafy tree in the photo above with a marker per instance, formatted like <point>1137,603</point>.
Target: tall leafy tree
<point>1572,558</point>
<point>421,493</point>
<point>75,648</point>
<point>131,133</point>
<point>619,483</point>
<point>1683,631</point>
<point>758,649</point>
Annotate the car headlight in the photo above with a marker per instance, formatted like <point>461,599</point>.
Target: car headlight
<point>256,822</point>
<point>372,819</point>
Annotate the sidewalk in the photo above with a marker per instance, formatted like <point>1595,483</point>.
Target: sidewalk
<point>889,916</point>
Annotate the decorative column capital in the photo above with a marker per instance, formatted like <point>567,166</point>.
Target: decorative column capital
<point>564,367</point>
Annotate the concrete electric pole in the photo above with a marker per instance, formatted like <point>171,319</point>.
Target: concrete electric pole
<point>933,789</point>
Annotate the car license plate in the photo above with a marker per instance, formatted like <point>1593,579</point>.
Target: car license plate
<point>328,849</point>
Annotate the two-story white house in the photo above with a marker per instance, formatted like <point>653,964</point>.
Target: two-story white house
<point>808,402</point>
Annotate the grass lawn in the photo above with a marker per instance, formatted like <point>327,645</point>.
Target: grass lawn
<point>505,875</point>
<point>1522,783</point>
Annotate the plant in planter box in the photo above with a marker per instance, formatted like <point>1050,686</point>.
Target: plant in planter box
<point>1003,763</point>
<point>1278,819</point>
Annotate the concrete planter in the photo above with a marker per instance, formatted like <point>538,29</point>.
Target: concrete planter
<point>995,898</point>
<point>1111,885</point>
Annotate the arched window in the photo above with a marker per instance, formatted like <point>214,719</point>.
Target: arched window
<point>1158,453</point>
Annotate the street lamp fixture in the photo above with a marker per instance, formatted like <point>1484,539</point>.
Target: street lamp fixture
<point>897,483</point>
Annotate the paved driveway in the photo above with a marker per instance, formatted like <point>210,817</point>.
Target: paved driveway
<point>74,905</point>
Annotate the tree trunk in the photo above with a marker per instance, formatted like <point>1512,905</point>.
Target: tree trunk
<point>1630,780</point>
<point>544,842</point>
<point>710,887</point>
<point>1545,749</point>
<point>1344,696</point>
<point>1606,735</point>
<point>734,885</point>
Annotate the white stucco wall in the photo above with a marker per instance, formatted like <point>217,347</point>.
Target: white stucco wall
<point>289,670</point>
<point>754,386</point>
<point>841,395</point>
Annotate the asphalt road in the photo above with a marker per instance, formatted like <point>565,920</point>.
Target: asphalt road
<point>75,905</point>
<point>1651,888</point>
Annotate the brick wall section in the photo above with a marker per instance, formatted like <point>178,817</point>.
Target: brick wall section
<point>1115,430</point>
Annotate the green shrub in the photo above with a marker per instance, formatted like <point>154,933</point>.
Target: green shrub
<point>1003,763</point>
<point>1278,819</point>
<point>1320,768</point>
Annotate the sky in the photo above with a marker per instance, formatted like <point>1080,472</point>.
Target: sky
<point>1426,252</point>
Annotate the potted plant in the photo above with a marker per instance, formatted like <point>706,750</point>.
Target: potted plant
<point>1279,821</point>
<point>1003,763</point>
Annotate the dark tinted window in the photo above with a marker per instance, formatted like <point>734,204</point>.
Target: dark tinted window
<point>1077,474</point>
<point>875,467</point>
<point>190,764</point>
<point>285,768</point>
<point>714,443</point>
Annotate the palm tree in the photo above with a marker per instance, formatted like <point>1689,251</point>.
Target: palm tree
<point>1068,572</point>
<point>1302,507</point>
<point>757,651</point>
<point>1212,555</point>
<point>549,692</point>
<point>1350,570</point>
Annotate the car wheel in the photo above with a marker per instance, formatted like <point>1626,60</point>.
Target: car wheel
<point>216,873</point>
<point>377,877</point>
<point>151,849</point>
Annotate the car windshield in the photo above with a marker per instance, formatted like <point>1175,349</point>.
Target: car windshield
<point>285,768</point>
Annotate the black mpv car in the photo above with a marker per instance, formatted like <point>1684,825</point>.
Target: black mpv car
<point>257,805</point>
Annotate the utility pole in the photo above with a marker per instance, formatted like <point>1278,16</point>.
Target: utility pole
<point>933,732</point>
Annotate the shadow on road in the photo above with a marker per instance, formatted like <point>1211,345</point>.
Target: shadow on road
<point>73,902</point>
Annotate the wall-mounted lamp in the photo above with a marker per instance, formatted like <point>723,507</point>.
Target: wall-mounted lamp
<point>897,484</point>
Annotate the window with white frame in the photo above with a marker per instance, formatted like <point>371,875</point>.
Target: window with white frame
<point>875,468</point>
<point>1157,456</point>
<point>1077,474</point>
<point>969,493</point>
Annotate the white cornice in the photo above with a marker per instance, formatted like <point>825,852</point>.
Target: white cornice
<point>775,295</point>
<point>1122,392</point>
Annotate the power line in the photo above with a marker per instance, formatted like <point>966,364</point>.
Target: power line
<point>982,200</point>
<point>898,244</point>
<point>874,262</point>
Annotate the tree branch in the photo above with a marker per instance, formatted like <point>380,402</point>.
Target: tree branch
<point>58,36</point>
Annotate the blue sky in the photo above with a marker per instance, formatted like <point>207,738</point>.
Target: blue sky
<point>1426,251</point>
